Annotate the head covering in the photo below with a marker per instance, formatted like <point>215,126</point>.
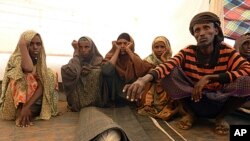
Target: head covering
<point>95,58</point>
<point>166,43</point>
<point>207,17</point>
<point>124,36</point>
<point>13,71</point>
<point>238,45</point>
<point>121,36</point>
<point>152,57</point>
<point>125,66</point>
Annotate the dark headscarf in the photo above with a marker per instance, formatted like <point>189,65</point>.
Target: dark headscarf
<point>132,69</point>
<point>207,17</point>
<point>125,36</point>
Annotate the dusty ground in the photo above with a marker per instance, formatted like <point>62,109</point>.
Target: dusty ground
<point>62,128</point>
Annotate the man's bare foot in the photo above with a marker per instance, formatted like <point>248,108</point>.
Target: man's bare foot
<point>186,122</point>
<point>221,127</point>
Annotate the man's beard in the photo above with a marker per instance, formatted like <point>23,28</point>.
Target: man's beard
<point>203,46</point>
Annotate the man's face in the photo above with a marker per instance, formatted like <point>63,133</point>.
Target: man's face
<point>84,48</point>
<point>123,44</point>
<point>159,48</point>
<point>204,34</point>
<point>35,46</point>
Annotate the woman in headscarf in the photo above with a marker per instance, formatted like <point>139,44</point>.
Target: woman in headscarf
<point>242,45</point>
<point>123,66</point>
<point>156,102</point>
<point>29,88</point>
<point>81,77</point>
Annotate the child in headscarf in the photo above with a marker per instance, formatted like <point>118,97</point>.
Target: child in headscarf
<point>156,102</point>
<point>29,88</point>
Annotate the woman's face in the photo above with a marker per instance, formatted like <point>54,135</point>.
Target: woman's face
<point>159,48</point>
<point>122,43</point>
<point>245,48</point>
<point>35,46</point>
<point>84,48</point>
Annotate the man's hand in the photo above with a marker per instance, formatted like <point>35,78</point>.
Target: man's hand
<point>133,91</point>
<point>197,91</point>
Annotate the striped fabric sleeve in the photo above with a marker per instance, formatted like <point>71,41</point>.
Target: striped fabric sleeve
<point>164,69</point>
<point>238,66</point>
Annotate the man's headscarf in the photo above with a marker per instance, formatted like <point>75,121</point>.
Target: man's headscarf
<point>207,17</point>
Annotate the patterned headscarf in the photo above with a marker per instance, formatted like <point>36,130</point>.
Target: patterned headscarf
<point>14,71</point>
<point>152,57</point>
<point>207,17</point>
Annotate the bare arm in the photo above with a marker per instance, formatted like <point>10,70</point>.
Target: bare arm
<point>197,91</point>
<point>134,90</point>
<point>116,54</point>
<point>25,115</point>
<point>26,62</point>
<point>76,48</point>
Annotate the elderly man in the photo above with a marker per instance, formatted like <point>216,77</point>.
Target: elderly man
<point>210,78</point>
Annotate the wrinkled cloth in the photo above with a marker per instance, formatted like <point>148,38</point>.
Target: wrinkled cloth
<point>179,86</point>
<point>93,122</point>
<point>83,89</point>
<point>236,18</point>
<point>14,75</point>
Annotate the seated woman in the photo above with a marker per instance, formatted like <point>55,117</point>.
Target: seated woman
<point>81,77</point>
<point>29,88</point>
<point>123,66</point>
<point>242,45</point>
<point>156,102</point>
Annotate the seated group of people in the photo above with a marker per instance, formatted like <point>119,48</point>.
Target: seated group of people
<point>209,79</point>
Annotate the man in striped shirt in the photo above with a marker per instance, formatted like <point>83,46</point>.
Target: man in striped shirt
<point>210,79</point>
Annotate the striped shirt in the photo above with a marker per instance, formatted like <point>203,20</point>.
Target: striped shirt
<point>226,62</point>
